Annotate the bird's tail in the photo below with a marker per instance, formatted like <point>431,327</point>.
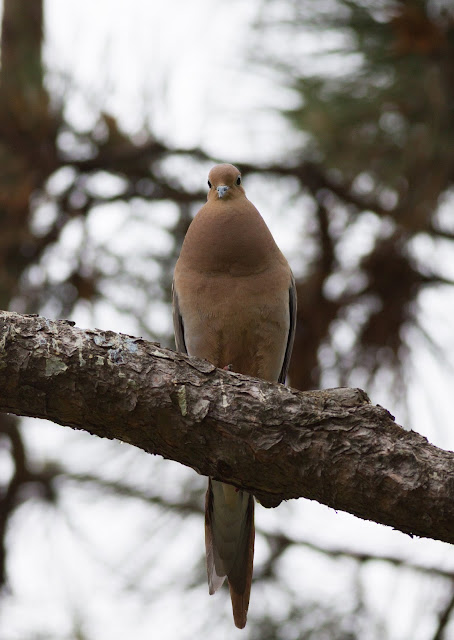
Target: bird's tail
<point>229,540</point>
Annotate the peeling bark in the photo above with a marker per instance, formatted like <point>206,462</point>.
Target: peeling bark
<point>332,446</point>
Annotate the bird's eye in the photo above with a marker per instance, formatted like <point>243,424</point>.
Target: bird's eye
<point>209,184</point>
<point>238,180</point>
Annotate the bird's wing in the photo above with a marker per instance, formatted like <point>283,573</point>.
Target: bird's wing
<point>291,332</point>
<point>178,325</point>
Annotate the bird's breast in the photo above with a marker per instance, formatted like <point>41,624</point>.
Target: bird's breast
<point>242,321</point>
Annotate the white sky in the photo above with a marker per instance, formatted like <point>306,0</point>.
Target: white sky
<point>179,63</point>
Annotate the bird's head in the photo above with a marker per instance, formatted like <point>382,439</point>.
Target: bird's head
<point>224,181</point>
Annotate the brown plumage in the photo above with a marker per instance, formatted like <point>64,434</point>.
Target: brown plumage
<point>235,305</point>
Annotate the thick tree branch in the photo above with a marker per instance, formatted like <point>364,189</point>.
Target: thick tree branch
<point>332,446</point>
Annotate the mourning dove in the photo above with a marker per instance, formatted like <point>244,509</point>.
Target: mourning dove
<point>234,304</point>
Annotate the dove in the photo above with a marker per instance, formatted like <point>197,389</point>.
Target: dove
<point>234,304</point>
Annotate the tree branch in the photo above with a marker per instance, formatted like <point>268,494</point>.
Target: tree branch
<point>332,446</point>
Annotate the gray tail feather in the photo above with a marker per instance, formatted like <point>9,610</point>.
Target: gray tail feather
<point>229,540</point>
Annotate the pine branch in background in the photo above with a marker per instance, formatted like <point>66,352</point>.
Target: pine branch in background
<point>379,147</point>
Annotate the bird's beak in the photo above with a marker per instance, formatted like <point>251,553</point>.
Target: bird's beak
<point>221,190</point>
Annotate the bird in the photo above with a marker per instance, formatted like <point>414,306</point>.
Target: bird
<point>234,304</point>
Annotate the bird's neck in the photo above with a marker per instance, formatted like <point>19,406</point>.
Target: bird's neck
<point>227,238</point>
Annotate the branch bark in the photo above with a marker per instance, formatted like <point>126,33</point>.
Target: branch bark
<point>332,446</point>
